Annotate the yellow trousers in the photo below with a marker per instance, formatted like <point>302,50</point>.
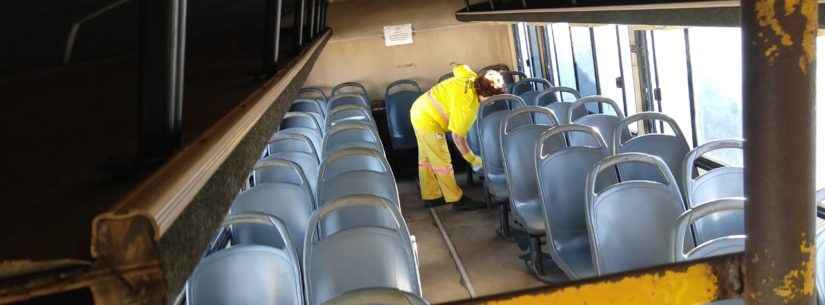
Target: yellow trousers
<point>435,170</point>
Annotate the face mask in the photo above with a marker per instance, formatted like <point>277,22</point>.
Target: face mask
<point>496,78</point>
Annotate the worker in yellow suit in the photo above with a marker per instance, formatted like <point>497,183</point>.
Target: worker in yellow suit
<point>449,106</point>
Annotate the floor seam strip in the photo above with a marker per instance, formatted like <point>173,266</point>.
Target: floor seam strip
<point>465,278</point>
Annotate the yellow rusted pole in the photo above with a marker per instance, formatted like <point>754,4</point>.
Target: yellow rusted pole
<point>779,47</point>
<point>697,282</point>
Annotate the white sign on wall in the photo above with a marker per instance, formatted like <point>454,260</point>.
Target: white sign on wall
<point>395,35</point>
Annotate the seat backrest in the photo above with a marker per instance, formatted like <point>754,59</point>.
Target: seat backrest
<point>351,134</point>
<point>629,223</point>
<point>308,105</point>
<point>310,167</point>
<point>289,202</point>
<point>511,78</point>
<point>322,282</point>
<point>312,134</point>
<point>356,171</point>
<point>490,114</point>
<point>245,275</point>
<point>348,113</point>
<point>275,170</point>
<point>357,183</point>
<point>727,240</point>
<point>313,92</point>
<point>248,274</point>
<point>353,159</point>
<point>301,119</point>
<point>603,122</point>
<point>380,295</point>
<point>472,139</point>
<point>350,88</point>
<point>293,203</point>
<point>670,148</point>
<point>347,99</point>
<point>559,170</point>
<point>287,142</point>
<point>529,88</point>
<point>445,76</point>
<point>549,96</point>
<point>398,102</point>
<point>722,182</point>
<point>518,146</point>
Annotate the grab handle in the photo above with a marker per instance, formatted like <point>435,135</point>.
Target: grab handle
<point>647,115</point>
<point>529,81</point>
<point>593,132</point>
<point>690,216</point>
<point>505,126</point>
<point>507,98</point>
<point>553,90</point>
<point>403,82</point>
<point>595,100</point>
<point>313,89</point>
<point>349,84</point>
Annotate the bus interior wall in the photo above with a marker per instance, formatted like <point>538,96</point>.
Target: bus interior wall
<point>357,52</point>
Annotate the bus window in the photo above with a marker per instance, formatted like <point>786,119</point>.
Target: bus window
<point>534,52</point>
<point>716,62</point>
<point>564,55</point>
<point>550,55</point>
<point>671,67</point>
<point>583,56</point>
<point>627,71</point>
<point>609,65</point>
<point>523,49</point>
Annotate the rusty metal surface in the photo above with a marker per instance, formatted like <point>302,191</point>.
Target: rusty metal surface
<point>120,282</point>
<point>695,282</point>
<point>778,44</point>
<point>710,13</point>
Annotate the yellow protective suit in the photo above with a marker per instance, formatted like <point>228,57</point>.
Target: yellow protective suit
<point>449,106</point>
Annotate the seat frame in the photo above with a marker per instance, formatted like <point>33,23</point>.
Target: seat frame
<point>535,258</point>
<point>350,202</point>
<point>684,222</point>
<point>592,196</point>
<point>543,157</point>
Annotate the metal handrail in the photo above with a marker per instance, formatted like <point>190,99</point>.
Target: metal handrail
<point>67,55</point>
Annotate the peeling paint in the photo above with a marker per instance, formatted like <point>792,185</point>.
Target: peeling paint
<point>771,52</point>
<point>774,31</point>
<point>766,14</point>
<point>809,12</point>
<point>790,6</point>
<point>799,282</point>
<point>695,285</point>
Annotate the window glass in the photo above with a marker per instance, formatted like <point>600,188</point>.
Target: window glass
<point>716,61</point>
<point>627,68</point>
<point>535,54</point>
<point>564,56</point>
<point>550,53</point>
<point>583,55</point>
<point>820,113</point>
<point>671,66</point>
<point>524,49</point>
<point>609,65</point>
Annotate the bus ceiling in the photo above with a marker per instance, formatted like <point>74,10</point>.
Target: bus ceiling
<point>636,12</point>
